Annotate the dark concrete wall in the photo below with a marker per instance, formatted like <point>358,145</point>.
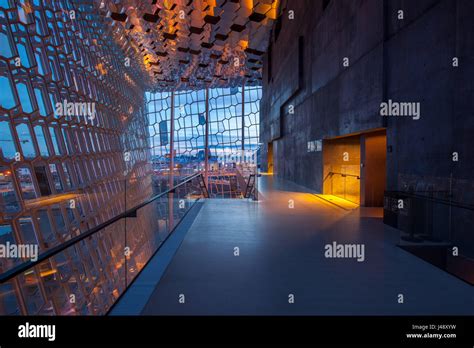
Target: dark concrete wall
<point>407,60</point>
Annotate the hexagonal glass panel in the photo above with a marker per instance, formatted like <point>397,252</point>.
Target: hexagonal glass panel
<point>26,142</point>
<point>7,145</point>
<point>7,100</point>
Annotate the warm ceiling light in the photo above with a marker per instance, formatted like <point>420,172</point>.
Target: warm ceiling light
<point>248,4</point>
<point>167,4</point>
<point>102,70</point>
<point>273,13</point>
<point>194,36</point>
<point>244,44</point>
<point>48,273</point>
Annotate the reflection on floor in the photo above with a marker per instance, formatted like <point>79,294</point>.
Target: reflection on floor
<point>338,202</point>
<point>282,252</point>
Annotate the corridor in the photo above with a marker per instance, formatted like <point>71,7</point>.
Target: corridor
<point>281,253</point>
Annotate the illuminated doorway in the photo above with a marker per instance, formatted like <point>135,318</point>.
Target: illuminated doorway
<point>341,158</point>
<point>270,158</point>
<point>354,167</point>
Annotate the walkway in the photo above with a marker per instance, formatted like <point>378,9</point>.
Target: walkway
<point>282,252</point>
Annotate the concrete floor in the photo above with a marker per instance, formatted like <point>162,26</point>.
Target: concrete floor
<point>282,253</point>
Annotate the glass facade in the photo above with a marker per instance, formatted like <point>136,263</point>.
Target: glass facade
<point>74,152</point>
<point>233,136</point>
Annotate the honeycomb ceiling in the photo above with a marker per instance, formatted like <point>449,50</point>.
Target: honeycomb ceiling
<point>189,44</point>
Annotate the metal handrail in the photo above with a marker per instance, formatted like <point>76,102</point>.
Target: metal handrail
<point>330,174</point>
<point>204,186</point>
<point>57,249</point>
<point>342,174</point>
<point>247,193</point>
<point>433,199</point>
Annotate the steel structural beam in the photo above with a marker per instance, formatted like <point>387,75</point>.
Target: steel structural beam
<point>206,148</point>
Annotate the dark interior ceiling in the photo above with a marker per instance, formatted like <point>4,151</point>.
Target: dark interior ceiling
<point>189,44</point>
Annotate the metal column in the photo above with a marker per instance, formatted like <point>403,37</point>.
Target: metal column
<point>243,123</point>
<point>171,175</point>
<point>206,148</point>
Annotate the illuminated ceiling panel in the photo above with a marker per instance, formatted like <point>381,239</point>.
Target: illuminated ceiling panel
<point>195,43</point>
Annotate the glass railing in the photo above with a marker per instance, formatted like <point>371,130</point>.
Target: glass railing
<point>433,226</point>
<point>87,272</point>
<point>229,180</point>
